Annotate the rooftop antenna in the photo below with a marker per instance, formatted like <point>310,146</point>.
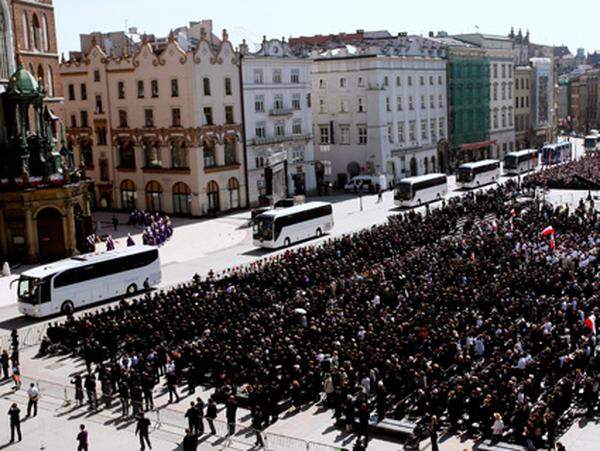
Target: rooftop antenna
<point>477,28</point>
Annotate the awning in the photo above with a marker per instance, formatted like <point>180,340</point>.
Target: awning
<point>479,145</point>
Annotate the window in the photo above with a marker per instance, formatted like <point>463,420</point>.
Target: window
<point>495,71</point>
<point>441,101</point>
<point>279,129</point>
<point>386,81</point>
<point>126,154</point>
<point>503,90</point>
<point>421,80</point>
<point>442,127</point>
<point>510,70</point>
<point>495,91</point>
<point>229,119</point>
<point>503,118</point>
<point>295,76</point>
<point>412,131</point>
<point>433,129</point>
<point>431,102</point>
<point>398,81</point>
<point>504,71</point>
<point>343,106</point>
<point>495,118</point>
<point>230,152</point>
<point>296,99</point>
<point>388,104</point>
<point>410,80</point>
<point>440,80</point>
<point>71,90</point>
<point>96,76</point>
<point>87,157</point>
<point>390,133</point>
<point>228,86</point>
<point>322,84</point>
<point>206,86</point>
<point>208,117</point>
<point>362,134</point>
<point>179,154</point>
<point>148,117</point>
<point>431,80</point>
<point>361,82</point>
<point>176,117</point>
<point>140,89</point>
<point>510,91</point>
<point>278,102</point>
<point>343,82</point>
<point>259,104</point>
<point>84,119</point>
<point>153,196</point>
<point>424,131</point>
<point>128,195</point>
<point>104,170</point>
<point>83,91</point>
<point>122,119</point>
<point>400,132</point>
<point>101,136</point>
<point>510,117</point>
<point>25,30</point>
<point>154,88</point>
<point>182,199</point>
<point>322,106</point>
<point>73,121</point>
<point>297,127</point>
<point>259,130</point>
<point>208,152</point>
<point>99,109</point>
<point>121,90</point>
<point>361,105</point>
<point>324,134</point>
<point>344,134</point>
<point>399,103</point>
<point>411,104</point>
<point>152,157</point>
<point>174,87</point>
<point>527,83</point>
<point>233,186</point>
<point>36,32</point>
<point>258,76</point>
<point>308,100</point>
<point>277,76</point>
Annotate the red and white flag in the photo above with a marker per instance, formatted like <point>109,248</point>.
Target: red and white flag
<point>552,243</point>
<point>590,323</point>
<point>548,231</point>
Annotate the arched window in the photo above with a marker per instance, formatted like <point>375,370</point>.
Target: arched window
<point>182,199</point>
<point>50,82</point>
<point>230,151</point>
<point>36,32</point>
<point>433,168</point>
<point>153,196</point>
<point>179,154</point>
<point>45,33</point>
<point>212,194</point>
<point>126,154</point>
<point>4,46</point>
<point>152,154</point>
<point>26,31</point>
<point>414,170</point>
<point>210,158</point>
<point>128,195</point>
<point>426,165</point>
<point>41,76</point>
<point>234,193</point>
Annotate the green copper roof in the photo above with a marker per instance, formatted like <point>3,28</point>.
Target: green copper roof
<point>22,81</point>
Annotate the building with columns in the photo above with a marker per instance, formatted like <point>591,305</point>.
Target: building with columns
<point>278,122</point>
<point>159,128</point>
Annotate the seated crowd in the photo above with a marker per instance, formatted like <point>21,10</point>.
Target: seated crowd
<point>448,313</point>
<point>583,173</point>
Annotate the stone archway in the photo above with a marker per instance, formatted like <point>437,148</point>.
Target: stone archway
<point>414,170</point>
<point>50,234</point>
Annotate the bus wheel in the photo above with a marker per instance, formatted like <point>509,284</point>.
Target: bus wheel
<point>132,289</point>
<point>67,308</point>
<point>287,242</point>
<point>319,233</point>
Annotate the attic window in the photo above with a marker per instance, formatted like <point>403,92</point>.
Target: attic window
<point>96,75</point>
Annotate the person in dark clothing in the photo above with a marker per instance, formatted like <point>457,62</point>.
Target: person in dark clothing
<point>200,409</point>
<point>211,414</point>
<point>257,424</point>
<point>142,429</point>
<point>230,413</point>
<point>15,422</point>
<point>78,384</point>
<point>190,441</point>
<point>172,386</point>
<point>124,397</point>
<point>90,388</point>
<point>363,419</point>
<point>115,223</point>
<point>192,416</point>
<point>433,434</point>
<point>4,360</point>
<point>82,439</point>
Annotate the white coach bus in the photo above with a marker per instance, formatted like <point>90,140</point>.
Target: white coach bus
<point>592,142</point>
<point>282,227</point>
<point>472,175</point>
<point>520,161</point>
<point>65,285</point>
<point>413,191</point>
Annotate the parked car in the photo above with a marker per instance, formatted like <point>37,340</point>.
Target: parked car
<point>366,184</point>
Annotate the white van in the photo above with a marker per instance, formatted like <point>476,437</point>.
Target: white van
<point>366,184</point>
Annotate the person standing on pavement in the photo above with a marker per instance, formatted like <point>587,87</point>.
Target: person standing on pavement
<point>16,375</point>
<point>115,223</point>
<point>257,424</point>
<point>200,408</point>
<point>82,438</point>
<point>90,388</point>
<point>78,383</point>
<point>190,441</point>
<point>143,430</point>
<point>433,434</point>
<point>34,394</point>
<point>211,414</point>
<point>172,385</point>
<point>15,422</point>
<point>231,413</point>
<point>192,416</point>
<point>4,360</point>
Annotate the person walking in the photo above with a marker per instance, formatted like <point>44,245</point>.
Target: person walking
<point>16,376</point>
<point>211,414</point>
<point>115,223</point>
<point>78,383</point>
<point>172,386</point>
<point>190,441</point>
<point>143,430</point>
<point>124,397</point>
<point>433,434</point>
<point>192,416</point>
<point>82,438</point>
<point>200,408</point>
<point>257,424</point>
<point>15,422</point>
<point>379,194</point>
<point>34,394</point>
<point>4,360</point>
<point>231,413</point>
<point>90,388</point>
<point>497,428</point>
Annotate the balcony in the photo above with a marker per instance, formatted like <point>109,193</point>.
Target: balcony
<point>280,139</point>
<point>277,112</point>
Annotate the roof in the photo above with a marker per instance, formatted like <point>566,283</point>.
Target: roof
<point>23,82</point>
<point>561,51</point>
<point>553,145</point>
<point>291,210</point>
<point>518,153</point>
<point>421,178</point>
<point>476,164</point>
<point>80,260</point>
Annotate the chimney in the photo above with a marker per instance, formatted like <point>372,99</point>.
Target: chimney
<point>431,35</point>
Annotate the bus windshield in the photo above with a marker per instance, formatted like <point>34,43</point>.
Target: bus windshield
<point>263,228</point>
<point>29,290</point>
<point>404,191</point>
<point>510,162</point>
<point>465,175</point>
<point>590,143</point>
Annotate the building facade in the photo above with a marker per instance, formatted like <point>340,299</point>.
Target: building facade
<point>380,109</point>
<point>278,122</point>
<point>523,86</point>
<point>160,129</point>
<point>543,109</point>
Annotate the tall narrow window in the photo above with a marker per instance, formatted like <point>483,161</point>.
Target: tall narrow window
<point>46,33</point>
<point>71,89</point>
<point>154,88</point>
<point>229,119</point>
<point>228,86</point>
<point>50,82</point>
<point>206,86</point>
<point>122,119</point>
<point>208,117</point>
<point>140,89</point>
<point>26,31</point>
<point>148,117</point>
<point>36,32</point>
<point>174,88</point>
<point>121,90</point>
<point>176,117</point>
<point>99,109</point>
<point>83,91</point>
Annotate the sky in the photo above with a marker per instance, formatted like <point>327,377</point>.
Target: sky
<point>552,22</point>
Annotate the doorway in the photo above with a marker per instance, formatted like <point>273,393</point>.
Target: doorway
<point>51,239</point>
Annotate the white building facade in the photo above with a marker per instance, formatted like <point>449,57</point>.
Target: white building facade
<point>278,122</point>
<point>379,110</point>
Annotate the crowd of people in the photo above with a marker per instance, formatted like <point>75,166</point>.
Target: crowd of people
<point>485,324</point>
<point>158,228</point>
<point>583,173</point>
